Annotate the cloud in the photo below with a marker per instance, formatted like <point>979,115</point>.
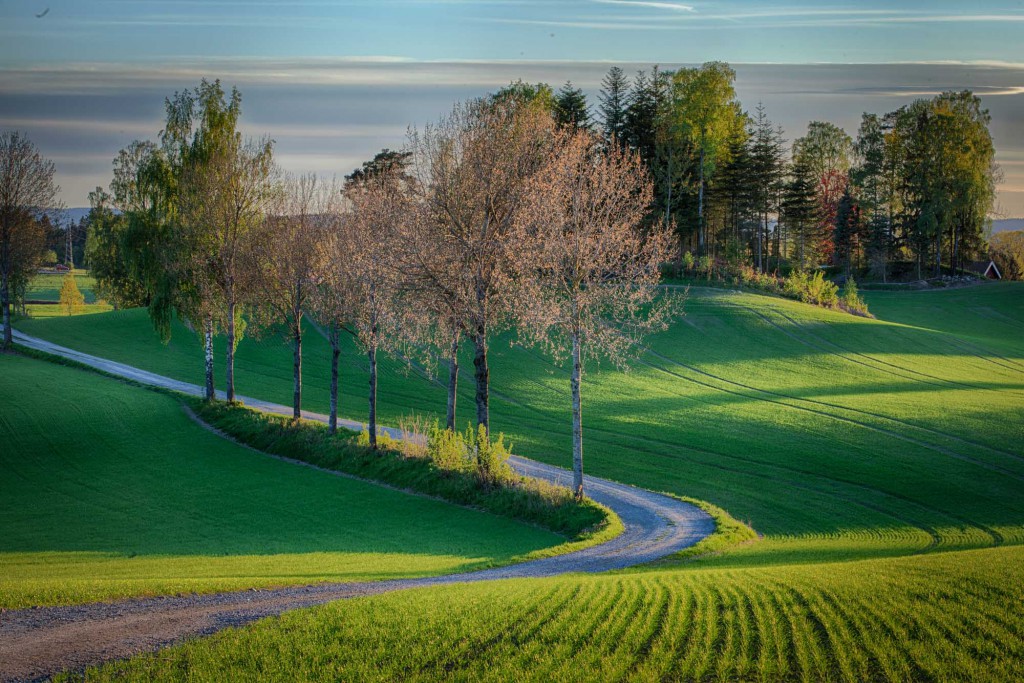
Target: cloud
<point>327,115</point>
<point>672,6</point>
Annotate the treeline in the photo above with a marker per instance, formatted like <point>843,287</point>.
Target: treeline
<point>494,218</point>
<point>915,185</point>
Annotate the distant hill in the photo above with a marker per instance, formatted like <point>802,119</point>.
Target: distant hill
<point>75,214</point>
<point>1007,224</point>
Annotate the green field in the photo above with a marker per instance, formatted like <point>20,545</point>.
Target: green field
<point>882,460</point>
<point>947,616</point>
<point>109,490</point>
<point>46,286</point>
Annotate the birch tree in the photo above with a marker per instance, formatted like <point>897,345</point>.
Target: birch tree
<point>587,274</point>
<point>704,107</point>
<point>222,183</point>
<point>357,280</point>
<point>27,192</point>
<point>473,169</point>
<point>282,261</point>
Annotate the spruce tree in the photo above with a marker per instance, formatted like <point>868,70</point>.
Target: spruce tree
<point>613,96</point>
<point>571,108</point>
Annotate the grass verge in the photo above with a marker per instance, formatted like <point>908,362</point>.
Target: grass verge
<point>534,502</point>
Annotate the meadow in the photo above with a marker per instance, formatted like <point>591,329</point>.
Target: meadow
<point>881,460</point>
<point>44,293</point>
<point>109,490</point>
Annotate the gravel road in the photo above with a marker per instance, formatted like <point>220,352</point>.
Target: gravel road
<point>37,643</point>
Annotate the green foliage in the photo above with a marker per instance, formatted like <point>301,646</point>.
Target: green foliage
<point>706,266</point>
<point>49,258</point>
<point>571,108</point>
<point>448,450</point>
<point>687,260</point>
<point>109,490</point>
<point>851,300</point>
<point>811,288</point>
<point>71,300</point>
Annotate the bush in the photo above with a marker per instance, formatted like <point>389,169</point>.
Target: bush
<point>687,261</point>
<point>851,301</point>
<point>447,450</point>
<point>706,265</point>
<point>811,289</point>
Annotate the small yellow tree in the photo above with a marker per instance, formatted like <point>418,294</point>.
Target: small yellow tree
<point>71,299</point>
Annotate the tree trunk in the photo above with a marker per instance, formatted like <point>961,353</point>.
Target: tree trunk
<point>297,368</point>
<point>5,302</point>
<point>938,253</point>
<point>332,421</point>
<point>230,370</point>
<point>453,379</point>
<point>577,420</point>
<point>208,347</point>
<point>482,375</point>
<point>372,427</point>
<point>700,203</point>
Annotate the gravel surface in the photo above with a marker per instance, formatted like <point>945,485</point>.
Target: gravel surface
<point>37,643</point>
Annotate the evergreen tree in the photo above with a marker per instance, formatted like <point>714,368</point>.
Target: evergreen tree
<point>847,231</point>
<point>571,108</point>
<point>613,97</point>
<point>799,209</point>
<point>643,113</point>
<point>767,167</point>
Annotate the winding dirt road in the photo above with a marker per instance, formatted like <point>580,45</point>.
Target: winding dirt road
<point>38,643</point>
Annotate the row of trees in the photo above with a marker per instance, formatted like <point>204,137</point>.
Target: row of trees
<point>495,217</point>
<point>916,184</point>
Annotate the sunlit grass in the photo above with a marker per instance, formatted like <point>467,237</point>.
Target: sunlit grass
<point>108,490</point>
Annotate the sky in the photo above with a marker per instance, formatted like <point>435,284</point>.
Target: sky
<point>334,82</point>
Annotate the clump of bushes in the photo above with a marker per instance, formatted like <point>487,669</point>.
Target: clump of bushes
<point>472,452</point>
<point>812,289</point>
<point>463,468</point>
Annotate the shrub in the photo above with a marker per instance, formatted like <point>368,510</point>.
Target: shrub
<point>706,265</point>
<point>851,300</point>
<point>447,450</point>
<point>687,261</point>
<point>811,289</point>
<point>492,468</point>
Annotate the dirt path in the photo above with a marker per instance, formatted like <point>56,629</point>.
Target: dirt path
<point>37,643</point>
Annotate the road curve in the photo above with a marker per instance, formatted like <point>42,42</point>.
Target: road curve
<point>37,643</point>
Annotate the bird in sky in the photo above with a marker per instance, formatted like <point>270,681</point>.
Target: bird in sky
<point>43,13</point>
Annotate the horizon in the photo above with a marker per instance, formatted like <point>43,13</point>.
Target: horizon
<point>333,83</point>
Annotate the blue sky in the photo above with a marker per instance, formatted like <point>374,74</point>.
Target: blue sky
<point>333,82</point>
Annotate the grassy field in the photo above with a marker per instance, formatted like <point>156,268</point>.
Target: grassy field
<point>882,460</point>
<point>898,619</point>
<point>108,490</point>
<point>46,287</point>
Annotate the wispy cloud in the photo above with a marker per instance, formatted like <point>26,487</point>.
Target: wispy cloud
<point>671,6</point>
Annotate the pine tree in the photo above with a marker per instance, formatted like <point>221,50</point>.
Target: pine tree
<point>571,108</point>
<point>613,96</point>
